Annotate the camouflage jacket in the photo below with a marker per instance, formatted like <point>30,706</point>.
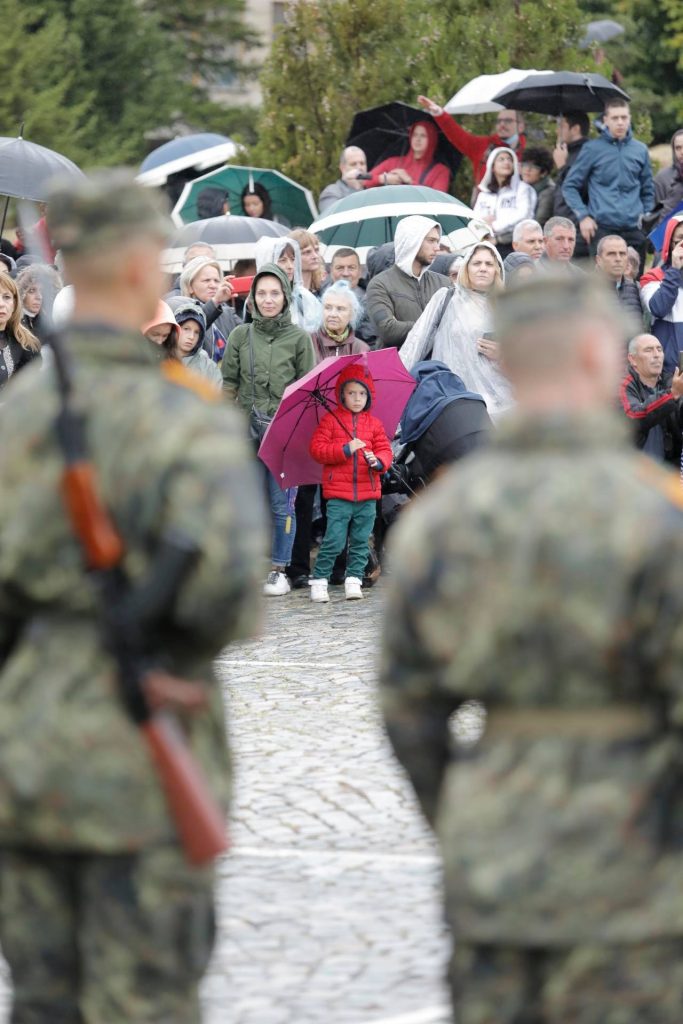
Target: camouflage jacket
<point>544,575</point>
<point>74,772</point>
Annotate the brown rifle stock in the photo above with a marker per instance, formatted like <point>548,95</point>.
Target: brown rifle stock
<point>198,819</point>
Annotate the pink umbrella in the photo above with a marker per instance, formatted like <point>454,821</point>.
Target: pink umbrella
<point>284,448</point>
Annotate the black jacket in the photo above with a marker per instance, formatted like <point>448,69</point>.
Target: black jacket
<point>560,205</point>
<point>628,294</point>
<point>20,357</point>
<point>655,414</point>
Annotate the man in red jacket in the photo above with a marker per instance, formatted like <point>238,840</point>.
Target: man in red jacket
<point>509,132</point>
<point>354,450</point>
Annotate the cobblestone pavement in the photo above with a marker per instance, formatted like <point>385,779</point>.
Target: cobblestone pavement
<point>329,904</point>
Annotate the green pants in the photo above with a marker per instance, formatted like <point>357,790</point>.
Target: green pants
<point>105,939</point>
<point>355,519</point>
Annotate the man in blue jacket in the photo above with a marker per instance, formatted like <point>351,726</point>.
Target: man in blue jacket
<point>615,171</point>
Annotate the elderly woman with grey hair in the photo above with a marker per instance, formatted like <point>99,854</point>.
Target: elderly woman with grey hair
<point>341,314</point>
<point>202,279</point>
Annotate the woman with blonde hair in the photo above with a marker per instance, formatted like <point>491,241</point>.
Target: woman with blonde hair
<point>18,346</point>
<point>455,328</point>
<point>312,268</point>
<point>202,279</point>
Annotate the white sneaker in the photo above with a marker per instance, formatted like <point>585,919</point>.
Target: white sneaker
<point>353,588</point>
<point>276,585</point>
<point>319,591</point>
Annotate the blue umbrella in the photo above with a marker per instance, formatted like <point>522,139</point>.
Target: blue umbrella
<point>657,235</point>
<point>201,151</point>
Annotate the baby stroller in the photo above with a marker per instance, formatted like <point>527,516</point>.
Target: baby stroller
<point>441,423</point>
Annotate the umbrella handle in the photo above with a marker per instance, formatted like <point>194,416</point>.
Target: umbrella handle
<point>4,217</point>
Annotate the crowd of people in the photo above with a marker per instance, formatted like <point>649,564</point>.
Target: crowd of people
<point>579,210</point>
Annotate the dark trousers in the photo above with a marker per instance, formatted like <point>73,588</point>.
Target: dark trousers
<point>300,563</point>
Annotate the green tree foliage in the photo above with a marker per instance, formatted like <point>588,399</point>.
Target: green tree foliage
<point>650,57</point>
<point>92,78</point>
<point>213,34</point>
<point>335,57</point>
<point>330,59</point>
<point>41,86</point>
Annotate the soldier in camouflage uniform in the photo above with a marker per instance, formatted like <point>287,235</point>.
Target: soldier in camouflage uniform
<point>543,579</point>
<point>101,919</point>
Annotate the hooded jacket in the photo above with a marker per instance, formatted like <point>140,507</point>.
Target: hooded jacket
<point>197,360</point>
<point>617,176</point>
<point>306,310</point>
<point>425,171</point>
<point>662,291</point>
<point>669,185</point>
<point>346,474</point>
<point>163,317</point>
<point>282,352</point>
<point>510,204</point>
<point>396,298</point>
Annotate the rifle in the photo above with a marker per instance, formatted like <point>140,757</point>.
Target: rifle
<point>128,616</point>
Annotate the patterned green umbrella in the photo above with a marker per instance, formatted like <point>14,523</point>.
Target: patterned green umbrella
<point>292,204</point>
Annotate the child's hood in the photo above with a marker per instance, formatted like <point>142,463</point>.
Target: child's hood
<point>360,373</point>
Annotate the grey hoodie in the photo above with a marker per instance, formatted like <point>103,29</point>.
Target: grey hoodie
<point>396,298</point>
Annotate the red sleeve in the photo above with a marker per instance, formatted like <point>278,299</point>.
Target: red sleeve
<point>439,177</point>
<point>324,448</point>
<point>473,146</point>
<point>387,165</point>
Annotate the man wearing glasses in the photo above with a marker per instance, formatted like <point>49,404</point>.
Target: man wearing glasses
<point>509,132</point>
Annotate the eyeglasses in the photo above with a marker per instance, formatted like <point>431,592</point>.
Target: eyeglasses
<point>506,120</point>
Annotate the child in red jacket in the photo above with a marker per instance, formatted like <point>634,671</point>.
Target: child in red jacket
<point>354,450</point>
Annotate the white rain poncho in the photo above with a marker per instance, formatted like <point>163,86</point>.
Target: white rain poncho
<point>466,318</point>
<point>306,311</point>
<point>408,238</point>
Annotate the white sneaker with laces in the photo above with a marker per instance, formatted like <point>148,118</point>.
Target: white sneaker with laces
<point>276,585</point>
<point>353,588</point>
<point>319,591</point>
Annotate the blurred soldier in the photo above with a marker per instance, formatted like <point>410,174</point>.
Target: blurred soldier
<point>101,919</point>
<point>553,597</point>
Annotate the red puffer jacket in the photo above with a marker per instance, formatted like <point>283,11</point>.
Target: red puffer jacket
<point>349,476</point>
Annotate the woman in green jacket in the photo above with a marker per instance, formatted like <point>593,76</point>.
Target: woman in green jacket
<point>262,359</point>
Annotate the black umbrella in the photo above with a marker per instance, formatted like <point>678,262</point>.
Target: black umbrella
<point>382,132</point>
<point>26,170</point>
<point>559,92</point>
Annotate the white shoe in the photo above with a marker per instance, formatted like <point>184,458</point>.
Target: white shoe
<point>353,588</point>
<point>276,585</point>
<point>319,591</point>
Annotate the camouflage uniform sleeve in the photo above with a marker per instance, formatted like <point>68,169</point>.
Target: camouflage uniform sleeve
<point>416,707</point>
<point>213,498</point>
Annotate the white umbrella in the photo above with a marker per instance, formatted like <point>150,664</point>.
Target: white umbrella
<point>477,96</point>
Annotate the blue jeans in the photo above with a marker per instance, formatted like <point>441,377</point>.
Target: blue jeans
<point>282,513</point>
